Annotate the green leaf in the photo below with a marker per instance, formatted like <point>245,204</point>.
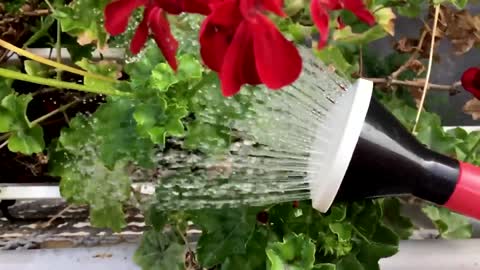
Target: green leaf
<point>383,244</point>
<point>207,137</point>
<point>142,69</point>
<point>23,138</point>
<point>34,68</point>
<point>156,218</point>
<point>5,87</point>
<point>160,251</point>
<point>41,31</point>
<point>163,77</point>
<point>157,120</point>
<point>410,8</point>
<point>401,225</point>
<point>117,136</point>
<point>224,234</point>
<point>106,68</point>
<point>349,262</point>
<point>296,252</point>
<point>333,55</point>
<point>325,266</point>
<point>83,20</point>
<point>346,35</point>
<point>27,141</point>
<point>255,256</point>
<point>450,225</point>
<point>85,180</point>
<point>91,158</point>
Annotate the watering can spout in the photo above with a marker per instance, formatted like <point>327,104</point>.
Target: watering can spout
<point>389,161</point>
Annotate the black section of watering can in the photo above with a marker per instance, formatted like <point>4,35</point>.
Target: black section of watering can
<point>389,161</point>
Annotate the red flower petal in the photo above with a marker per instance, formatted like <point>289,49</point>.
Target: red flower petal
<point>239,64</point>
<point>331,4</point>
<point>358,8</point>
<point>471,81</point>
<point>216,33</point>
<point>171,6</point>
<point>118,13</point>
<point>320,18</point>
<point>198,6</point>
<point>277,60</point>
<point>275,6</point>
<point>141,34</point>
<point>163,36</point>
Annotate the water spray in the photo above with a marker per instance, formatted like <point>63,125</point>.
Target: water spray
<point>322,139</point>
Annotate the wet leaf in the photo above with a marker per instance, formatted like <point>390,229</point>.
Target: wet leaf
<point>83,20</point>
<point>450,225</point>
<point>160,250</point>
<point>296,252</point>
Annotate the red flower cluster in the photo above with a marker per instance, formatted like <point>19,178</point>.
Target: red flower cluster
<point>471,81</point>
<point>237,40</point>
<point>117,15</point>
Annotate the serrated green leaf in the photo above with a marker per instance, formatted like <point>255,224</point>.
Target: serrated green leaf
<point>159,251</point>
<point>162,76</point>
<point>157,120</point>
<point>224,234</point>
<point>450,225</point>
<point>296,252</point>
<point>207,137</point>
<point>85,180</point>
<point>108,216</point>
<point>255,256</point>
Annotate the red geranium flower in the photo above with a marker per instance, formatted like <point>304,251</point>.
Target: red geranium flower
<point>241,44</point>
<point>319,11</point>
<point>471,81</point>
<point>117,15</point>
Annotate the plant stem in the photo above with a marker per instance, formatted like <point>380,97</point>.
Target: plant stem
<point>58,47</point>
<point>59,84</point>
<point>51,63</point>
<point>432,86</point>
<point>52,113</point>
<point>3,144</point>
<point>414,56</point>
<point>429,68</point>
<point>49,5</point>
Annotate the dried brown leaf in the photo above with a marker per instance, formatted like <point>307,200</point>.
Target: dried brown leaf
<point>405,45</point>
<point>472,107</point>
<point>416,66</point>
